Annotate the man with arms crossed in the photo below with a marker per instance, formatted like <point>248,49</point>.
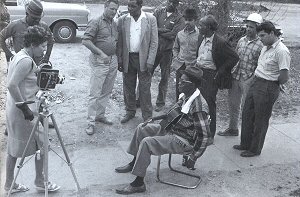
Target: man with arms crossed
<point>169,23</point>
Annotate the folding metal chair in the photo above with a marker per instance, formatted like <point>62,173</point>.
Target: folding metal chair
<point>197,177</point>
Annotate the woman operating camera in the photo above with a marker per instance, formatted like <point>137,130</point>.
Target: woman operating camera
<point>22,86</point>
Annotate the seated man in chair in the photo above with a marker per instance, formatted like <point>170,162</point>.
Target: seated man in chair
<point>183,130</point>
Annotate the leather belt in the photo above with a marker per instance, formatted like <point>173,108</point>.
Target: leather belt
<point>265,80</point>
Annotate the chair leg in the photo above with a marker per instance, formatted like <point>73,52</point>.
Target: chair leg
<point>178,171</point>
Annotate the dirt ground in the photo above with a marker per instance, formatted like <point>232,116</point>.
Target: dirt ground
<point>69,104</point>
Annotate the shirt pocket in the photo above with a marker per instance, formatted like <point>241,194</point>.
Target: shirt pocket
<point>270,63</point>
<point>104,32</point>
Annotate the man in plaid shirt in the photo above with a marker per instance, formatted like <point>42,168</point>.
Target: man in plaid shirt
<point>186,132</point>
<point>248,49</point>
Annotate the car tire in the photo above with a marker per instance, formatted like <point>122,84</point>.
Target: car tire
<point>64,31</point>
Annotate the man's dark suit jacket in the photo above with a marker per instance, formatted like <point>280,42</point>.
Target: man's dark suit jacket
<point>224,57</point>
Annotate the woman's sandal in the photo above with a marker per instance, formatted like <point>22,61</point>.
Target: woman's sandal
<point>52,187</point>
<point>17,188</point>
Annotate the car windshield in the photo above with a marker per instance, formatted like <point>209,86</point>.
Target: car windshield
<point>23,2</point>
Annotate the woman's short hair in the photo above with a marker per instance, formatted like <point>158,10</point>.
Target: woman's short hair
<point>268,27</point>
<point>35,36</point>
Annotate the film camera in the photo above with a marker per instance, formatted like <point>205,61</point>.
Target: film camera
<point>47,78</point>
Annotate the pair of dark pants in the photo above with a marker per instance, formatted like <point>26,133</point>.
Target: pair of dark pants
<point>178,76</point>
<point>164,60</point>
<point>129,85</point>
<point>257,112</point>
<point>209,90</point>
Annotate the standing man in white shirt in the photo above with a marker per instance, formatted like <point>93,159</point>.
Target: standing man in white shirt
<point>272,71</point>
<point>136,51</point>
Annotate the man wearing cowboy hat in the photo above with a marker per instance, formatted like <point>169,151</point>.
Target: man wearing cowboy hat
<point>17,28</point>
<point>186,133</point>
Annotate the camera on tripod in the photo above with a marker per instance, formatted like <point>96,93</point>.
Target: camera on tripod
<point>47,78</point>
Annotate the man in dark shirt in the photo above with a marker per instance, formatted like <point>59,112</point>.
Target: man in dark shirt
<point>17,29</point>
<point>169,23</point>
<point>186,134</point>
<point>101,38</point>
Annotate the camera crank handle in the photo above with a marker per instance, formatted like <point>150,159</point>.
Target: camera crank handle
<point>25,102</point>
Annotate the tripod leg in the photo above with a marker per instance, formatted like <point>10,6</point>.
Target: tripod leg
<point>46,152</point>
<point>23,155</point>
<point>65,151</point>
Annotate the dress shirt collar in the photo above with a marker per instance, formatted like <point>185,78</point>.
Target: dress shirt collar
<point>23,19</point>
<point>105,18</point>
<point>189,32</point>
<point>143,15</point>
<point>253,40</point>
<point>209,38</point>
<point>273,45</point>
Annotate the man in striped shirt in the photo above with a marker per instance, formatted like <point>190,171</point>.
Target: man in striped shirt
<point>248,49</point>
<point>186,133</point>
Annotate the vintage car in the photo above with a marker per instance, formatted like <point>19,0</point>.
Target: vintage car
<point>62,18</point>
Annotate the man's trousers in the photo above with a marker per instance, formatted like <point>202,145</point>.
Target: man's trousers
<point>129,86</point>
<point>151,140</point>
<point>102,81</point>
<point>236,99</point>
<point>164,60</point>
<point>209,90</point>
<point>257,112</point>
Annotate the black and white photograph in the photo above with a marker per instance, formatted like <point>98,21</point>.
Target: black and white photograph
<point>104,98</point>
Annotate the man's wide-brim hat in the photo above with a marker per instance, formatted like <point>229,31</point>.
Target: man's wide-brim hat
<point>34,8</point>
<point>194,73</point>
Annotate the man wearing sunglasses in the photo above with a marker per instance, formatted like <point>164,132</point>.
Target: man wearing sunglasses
<point>183,130</point>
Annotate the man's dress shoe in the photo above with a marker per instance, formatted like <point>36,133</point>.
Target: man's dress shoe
<point>126,118</point>
<point>131,190</point>
<point>249,154</point>
<point>239,147</point>
<point>124,169</point>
